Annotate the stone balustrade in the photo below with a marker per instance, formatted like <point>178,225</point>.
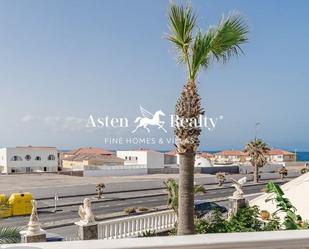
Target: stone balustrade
<point>134,226</point>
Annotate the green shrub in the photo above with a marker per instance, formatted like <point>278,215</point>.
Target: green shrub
<point>130,210</point>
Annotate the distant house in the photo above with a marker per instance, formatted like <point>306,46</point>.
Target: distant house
<point>230,157</point>
<point>29,159</point>
<point>170,158</point>
<point>78,158</point>
<point>150,158</point>
<point>202,159</point>
<point>278,155</point>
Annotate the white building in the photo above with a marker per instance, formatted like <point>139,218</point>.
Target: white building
<point>28,159</point>
<point>296,190</point>
<point>153,159</point>
<point>202,159</point>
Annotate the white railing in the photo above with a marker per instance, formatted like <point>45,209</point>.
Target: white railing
<point>134,226</point>
<point>298,239</point>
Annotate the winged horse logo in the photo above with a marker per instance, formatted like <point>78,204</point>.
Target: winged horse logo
<point>149,119</point>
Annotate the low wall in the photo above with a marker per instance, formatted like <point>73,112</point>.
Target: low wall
<point>215,169</point>
<point>269,168</point>
<point>119,170</point>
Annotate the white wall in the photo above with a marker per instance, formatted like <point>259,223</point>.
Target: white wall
<point>133,157</point>
<point>118,170</point>
<point>202,162</point>
<point>3,160</point>
<point>153,159</point>
<point>34,165</point>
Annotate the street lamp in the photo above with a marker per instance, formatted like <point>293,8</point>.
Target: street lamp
<point>255,129</point>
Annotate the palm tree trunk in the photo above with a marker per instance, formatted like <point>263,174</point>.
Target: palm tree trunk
<point>186,194</point>
<point>256,173</point>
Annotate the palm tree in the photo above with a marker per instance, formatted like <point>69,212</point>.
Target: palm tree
<point>257,151</point>
<point>99,188</point>
<point>9,235</point>
<point>196,50</point>
<point>173,192</point>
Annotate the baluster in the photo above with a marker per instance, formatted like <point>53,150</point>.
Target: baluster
<point>133,227</point>
<point>125,229</point>
<point>101,231</point>
<point>155,222</point>
<point>121,230</point>
<point>110,230</point>
<point>116,226</point>
<point>105,236</point>
<point>148,223</point>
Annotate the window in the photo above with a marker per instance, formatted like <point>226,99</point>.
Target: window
<point>27,157</point>
<point>51,158</point>
<point>16,158</point>
<point>37,158</point>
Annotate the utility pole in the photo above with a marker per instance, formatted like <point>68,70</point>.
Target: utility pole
<point>255,130</point>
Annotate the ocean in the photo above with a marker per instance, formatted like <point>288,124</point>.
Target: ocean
<point>302,156</point>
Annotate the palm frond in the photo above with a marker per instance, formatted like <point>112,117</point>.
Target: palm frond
<point>200,52</point>
<point>182,22</point>
<point>9,235</point>
<point>199,189</point>
<point>227,37</point>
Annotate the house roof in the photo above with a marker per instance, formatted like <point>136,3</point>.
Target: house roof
<point>231,153</point>
<point>89,151</point>
<point>274,152</point>
<point>205,154</point>
<point>171,153</point>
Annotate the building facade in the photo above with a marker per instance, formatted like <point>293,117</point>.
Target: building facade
<point>277,155</point>
<point>29,159</point>
<point>230,157</point>
<point>79,158</point>
<point>153,159</point>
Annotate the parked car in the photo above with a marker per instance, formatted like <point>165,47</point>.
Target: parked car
<point>202,207</point>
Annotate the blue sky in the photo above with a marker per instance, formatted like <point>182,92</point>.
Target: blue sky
<point>64,60</point>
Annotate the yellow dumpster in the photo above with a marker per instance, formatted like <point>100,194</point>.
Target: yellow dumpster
<point>20,203</point>
<point>5,208</point>
<point>3,198</point>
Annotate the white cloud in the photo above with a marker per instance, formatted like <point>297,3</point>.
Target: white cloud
<point>58,123</point>
<point>27,118</point>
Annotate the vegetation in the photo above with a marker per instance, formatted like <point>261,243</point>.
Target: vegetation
<point>291,219</point>
<point>173,192</point>
<point>221,178</point>
<point>196,50</point>
<point>149,233</point>
<point>99,189</point>
<point>304,170</point>
<point>142,209</point>
<point>246,220</point>
<point>9,235</point>
<point>283,172</point>
<point>257,150</point>
<point>130,210</point>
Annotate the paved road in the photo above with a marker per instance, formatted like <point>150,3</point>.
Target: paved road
<point>118,205</point>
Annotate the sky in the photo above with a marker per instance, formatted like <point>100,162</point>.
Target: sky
<point>62,61</point>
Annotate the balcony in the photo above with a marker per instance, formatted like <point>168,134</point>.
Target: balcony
<point>297,239</point>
